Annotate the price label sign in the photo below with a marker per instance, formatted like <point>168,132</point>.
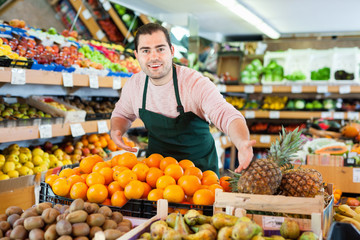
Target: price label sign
<point>86,14</point>
<point>265,138</point>
<point>221,87</point>
<point>338,115</point>
<point>45,131</point>
<point>100,34</point>
<point>356,175</point>
<point>249,114</point>
<point>353,115</point>
<point>77,130</point>
<point>102,127</point>
<point>67,79</point>
<point>296,89</point>
<point>344,89</point>
<point>18,76</point>
<point>106,5</point>
<point>326,115</point>
<point>116,83</point>
<point>274,114</point>
<point>267,89</point>
<point>249,89</point>
<point>322,89</point>
<point>94,81</point>
<point>272,222</point>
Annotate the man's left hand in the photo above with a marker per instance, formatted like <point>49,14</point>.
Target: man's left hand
<point>245,154</point>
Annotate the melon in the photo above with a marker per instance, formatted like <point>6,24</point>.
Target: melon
<point>333,150</point>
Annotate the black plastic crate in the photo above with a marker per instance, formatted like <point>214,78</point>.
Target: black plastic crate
<point>342,231</point>
<point>22,63</point>
<point>5,61</point>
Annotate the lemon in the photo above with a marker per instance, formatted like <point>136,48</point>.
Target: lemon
<point>2,160</point>
<point>37,160</point>
<point>25,150</point>
<point>13,174</point>
<point>23,158</point>
<point>17,166</point>
<point>14,146</point>
<point>37,152</point>
<point>67,162</point>
<point>24,171</point>
<point>59,164</point>
<point>8,166</point>
<point>12,158</point>
<point>1,41</point>
<point>37,169</point>
<point>4,177</point>
<point>29,165</point>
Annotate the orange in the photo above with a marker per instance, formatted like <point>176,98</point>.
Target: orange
<point>209,180</point>
<point>61,187</point>
<point>209,172</point>
<point>134,190</point>
<point>166,162</point>
<point>78,190</point>
<point>165,181</point>
<point>225,183</point>
<point>174,170</point>
<point>99,166</point>
<point>86,165</point>
<point>125,177</point>
<point>85,142</point>
<point>118,199</point>
<point>111,146</point>
<point>118,171</point>
<point>95,178</point>
<point>114,187</point>
<point>190,184</point>
<point>97,193</point>
<point>66,172</point>
<point>141,170</point>
<point>97,144</point>
<point>106,202</point>
<point>127,159</point>
<point>77,170</point>
<point>185,163</point>
<point>214,186</point>
<point>93,138</point>
<point>203,197</point>
<point>154,160</point>
<point>106,136</point>
<point>147,189</point>
<point>51,178</point>
<point>155,194</point>
<point>204,187</point>
<point>107,172</point>
<point>84,176</point>
<point>74,179</point>
<point>194,171</point>
<point>118,168</point>
<point>103,142</point>
<point>174,193</point>
<point>153,175</point>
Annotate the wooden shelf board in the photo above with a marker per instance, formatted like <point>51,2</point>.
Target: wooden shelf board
<point>289,114</point>
<point>144,19</point>
<point>121,26</point>
<point>260,143</point>
<point>287,89</point>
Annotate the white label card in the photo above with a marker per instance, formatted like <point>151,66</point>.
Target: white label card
<point>356,175</point>
<point>344,89</point>
<point>102,127</point>
<point>106,5</point>
<point>94,81</point>
<point>326,114</point>
<point>249,114</point>
<point>352,115</point>
<point>352,154</point>
<point>77,130</point>
<point>100,34</point>
<point>221,88</point>
<point>272,222</point>
<point>322,89</point>
<point>274,114</point>
<point>116,83</point>
<point>18,76</point>
<point>267,89</point>
<point>67,79</point>
<point>296,89</point>
<point>45,131</point>
<point>265,138</point>
<point>86,14</point>
<point>338,115</point>
<point>249,89</point>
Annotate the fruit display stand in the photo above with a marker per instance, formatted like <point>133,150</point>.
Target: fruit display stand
<point>256,205</point>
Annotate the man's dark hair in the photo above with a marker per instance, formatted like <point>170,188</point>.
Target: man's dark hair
<point>150,28</point>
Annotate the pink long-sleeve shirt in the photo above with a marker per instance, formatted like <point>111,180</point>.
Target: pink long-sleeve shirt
<point>197,94</point>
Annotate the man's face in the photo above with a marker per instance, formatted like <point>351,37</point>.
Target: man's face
<point>155,55</point>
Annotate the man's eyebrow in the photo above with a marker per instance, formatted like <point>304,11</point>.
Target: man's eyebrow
<point>157,46</point>
<point>144,48</point>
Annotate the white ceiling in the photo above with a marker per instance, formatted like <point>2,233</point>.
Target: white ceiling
<point>289,17</point>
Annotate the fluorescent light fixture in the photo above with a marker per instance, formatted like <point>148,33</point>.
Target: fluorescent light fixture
<point>179,32</point>
<point>250,17</point>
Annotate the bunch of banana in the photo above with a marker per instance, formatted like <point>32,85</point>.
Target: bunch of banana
<point>274,102</point>
<point>345,214</point>
<point>237,102</point>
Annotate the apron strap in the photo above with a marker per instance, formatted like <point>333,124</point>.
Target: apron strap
<point>145,91</point>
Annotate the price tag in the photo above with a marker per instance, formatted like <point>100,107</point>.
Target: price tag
<point>267,89</point>
<point>350,160</point>
<point>106,5</point>
<point>249,114</point>
<point>265,138</point>
<point>116,83</point>
<point>102,127</point>
<point>249,89</point>
<point>67,79</point>
<point>326,115</point>
<point>353,115</point>
<point>352,154</point>
<point>356,175</point>
<point>77,130</point>
<point>338,115</point>
<point>322,89</point>
<point>86,14</point>
<point>94,81</point>
<point>344,89</point>
<point>45,131</point>
<point>100,34</point>
<point>2,69</point>
<point>18,76</point>
<point>296,89</point>
<point>272,222</point>
<point>274,114</point>
<point>221,87</point>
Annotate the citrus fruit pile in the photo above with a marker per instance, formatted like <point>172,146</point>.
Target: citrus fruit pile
<point>124,177</point>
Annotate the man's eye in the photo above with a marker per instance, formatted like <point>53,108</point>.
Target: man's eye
<point>161,49</point>
<point>145,51</point>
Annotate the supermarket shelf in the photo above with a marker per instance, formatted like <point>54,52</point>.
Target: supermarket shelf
<point>144,19</point>
<point>55,78</point>
<point>249,114</point>
<point>263,140</point>
<point>121,26</point>
<point>32,132</point>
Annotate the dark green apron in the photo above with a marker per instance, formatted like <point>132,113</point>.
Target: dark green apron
<point>185,137</point>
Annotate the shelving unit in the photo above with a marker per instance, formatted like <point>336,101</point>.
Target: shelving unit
<point>249,114</point>
<point>121,26</point>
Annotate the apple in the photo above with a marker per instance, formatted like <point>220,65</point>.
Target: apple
<point>75,158</point>
<point>91,146</point>
<point>48,145</point>
<point>69,149</point>
<point>77,151</point>
<point>85,151</point>
<point>96,150</point>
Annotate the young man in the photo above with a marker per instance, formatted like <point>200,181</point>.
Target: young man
<point>175,103</point>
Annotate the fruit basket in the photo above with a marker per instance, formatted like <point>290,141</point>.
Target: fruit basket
<point>343,231</point>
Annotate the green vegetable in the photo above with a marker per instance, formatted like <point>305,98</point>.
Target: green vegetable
<point>299,104</point>
<point>295,76</point>
<point>273,72</point>
<point>321,74</point>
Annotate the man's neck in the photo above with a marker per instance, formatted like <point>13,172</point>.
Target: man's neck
<point>162,81</point>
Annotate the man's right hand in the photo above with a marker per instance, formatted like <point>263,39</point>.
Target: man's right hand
<point>116,136</point>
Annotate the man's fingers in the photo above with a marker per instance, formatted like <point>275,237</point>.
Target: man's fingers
<point>251,143</point>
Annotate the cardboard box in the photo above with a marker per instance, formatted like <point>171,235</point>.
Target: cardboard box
<point>229,63</point>
<point>325,160</point>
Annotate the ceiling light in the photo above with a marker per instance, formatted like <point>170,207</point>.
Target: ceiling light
<point>250,17</point>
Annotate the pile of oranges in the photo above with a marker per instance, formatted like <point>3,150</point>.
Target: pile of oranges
<point>103,141</point>
<point>124,177</point>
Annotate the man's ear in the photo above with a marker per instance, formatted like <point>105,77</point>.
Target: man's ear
<point>135,52</point>
<point>172,50</point>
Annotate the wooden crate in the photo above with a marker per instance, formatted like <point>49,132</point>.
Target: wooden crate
<point>257,207</point>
